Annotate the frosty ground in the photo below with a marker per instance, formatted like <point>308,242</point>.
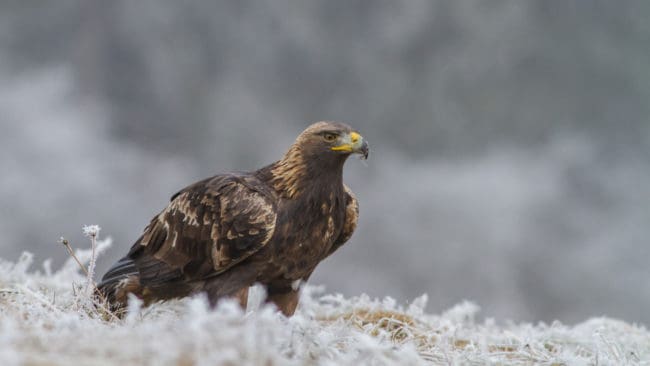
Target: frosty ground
<point>47,318</point>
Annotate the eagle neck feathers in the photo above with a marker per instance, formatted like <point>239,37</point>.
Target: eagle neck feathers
<point>300,174</point>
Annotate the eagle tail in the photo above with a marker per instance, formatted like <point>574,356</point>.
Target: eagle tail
<point>120,280</point>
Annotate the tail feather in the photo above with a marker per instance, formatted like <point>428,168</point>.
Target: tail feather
<point>122,278</point>
<point>123,268</point>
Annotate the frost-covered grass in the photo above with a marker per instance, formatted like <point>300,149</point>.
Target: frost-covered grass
<point>47,318</point>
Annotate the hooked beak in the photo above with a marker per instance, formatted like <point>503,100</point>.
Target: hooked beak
<point>353,143</point>
<point>364,150</point>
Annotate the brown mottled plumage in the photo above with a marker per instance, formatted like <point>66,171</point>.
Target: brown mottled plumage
<point>271,226</point>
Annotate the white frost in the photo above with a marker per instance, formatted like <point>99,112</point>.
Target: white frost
<point>91,230</point>
<point>42,322</point>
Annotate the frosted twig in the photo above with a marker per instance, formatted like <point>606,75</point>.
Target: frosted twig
<point>67,246</point>
<point>91,231</point>
<point>91,284</point>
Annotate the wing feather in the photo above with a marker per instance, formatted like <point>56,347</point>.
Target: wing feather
<point>206,229</point>
<point>351,219</point>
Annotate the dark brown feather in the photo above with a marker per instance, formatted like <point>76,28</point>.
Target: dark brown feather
<point>351,219</point>
<point>222,234</point>
<point>207,228</point>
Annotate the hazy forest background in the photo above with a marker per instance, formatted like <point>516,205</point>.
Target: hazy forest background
<point>510,139</point>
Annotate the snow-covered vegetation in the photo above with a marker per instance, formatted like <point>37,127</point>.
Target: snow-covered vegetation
<point>48,318</point>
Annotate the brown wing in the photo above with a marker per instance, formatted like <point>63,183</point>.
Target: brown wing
<point>351,218</point>
<point>207,228</point>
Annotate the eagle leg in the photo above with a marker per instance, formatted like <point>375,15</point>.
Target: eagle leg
<point>286,302</point>
<point>285,294</point>
<point>232,284</point>
<point>242,297</point>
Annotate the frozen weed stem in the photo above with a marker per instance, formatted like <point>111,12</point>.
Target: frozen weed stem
<point>91,231</point>
<point>93,300</point>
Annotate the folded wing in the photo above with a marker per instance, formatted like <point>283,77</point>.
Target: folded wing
<point>208,228</point>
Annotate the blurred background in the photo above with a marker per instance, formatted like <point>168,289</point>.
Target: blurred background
<point>510,139</point>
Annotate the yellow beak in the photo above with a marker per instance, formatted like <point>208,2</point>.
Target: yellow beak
<point>353,143</point>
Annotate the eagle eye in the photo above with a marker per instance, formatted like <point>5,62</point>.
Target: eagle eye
<point>329,137</point>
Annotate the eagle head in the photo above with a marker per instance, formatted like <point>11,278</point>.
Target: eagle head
<point>332,139</point>
<point>316,158</point>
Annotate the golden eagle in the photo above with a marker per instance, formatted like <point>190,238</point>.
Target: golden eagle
<point>271,226</point>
